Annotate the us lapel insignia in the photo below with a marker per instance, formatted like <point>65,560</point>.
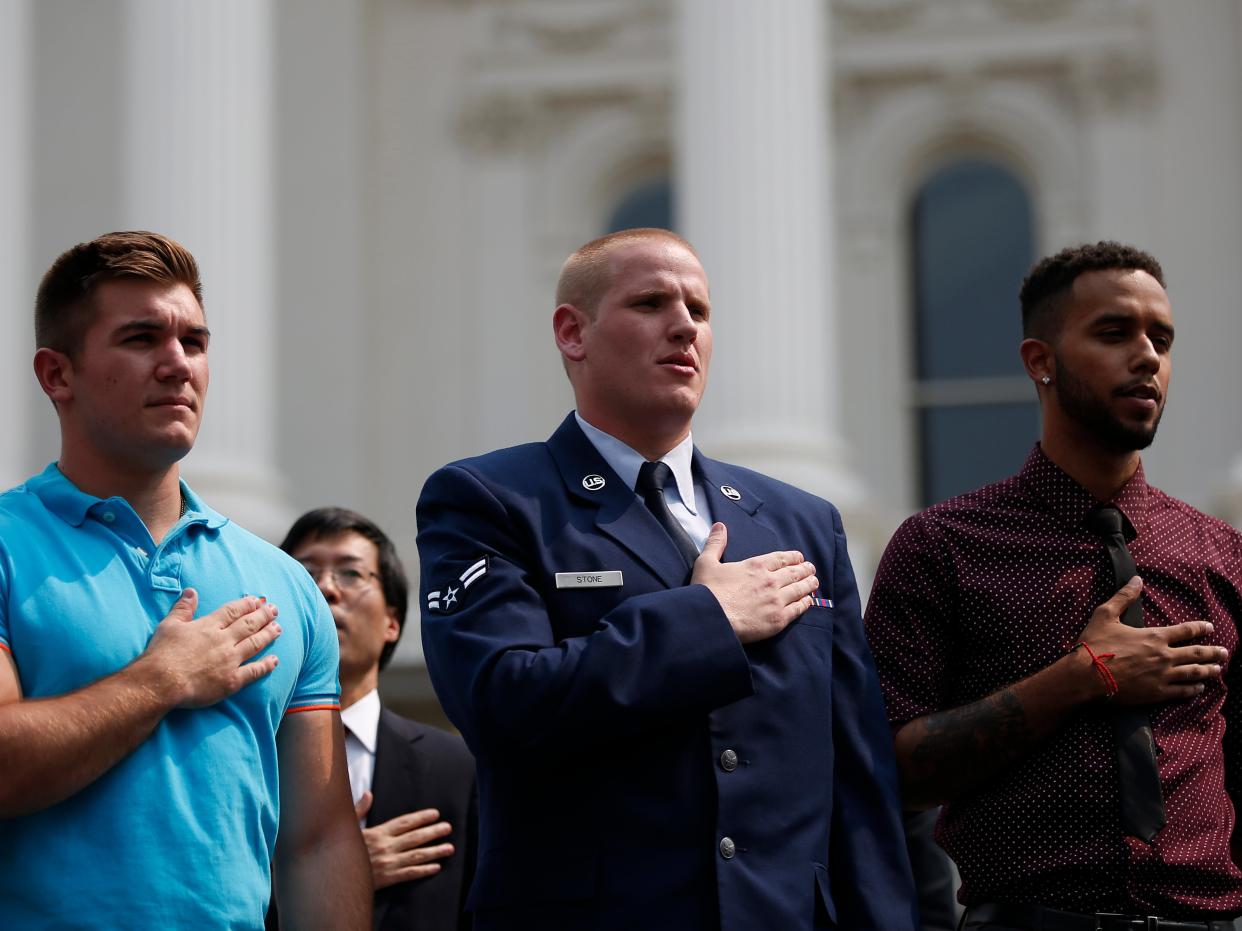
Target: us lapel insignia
<point>593,482</point>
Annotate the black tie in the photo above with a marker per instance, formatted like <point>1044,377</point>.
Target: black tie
<point>652,478</point>
<point>1142,802</point>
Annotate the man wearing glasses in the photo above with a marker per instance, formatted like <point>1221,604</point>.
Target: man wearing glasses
<point>413,785</point>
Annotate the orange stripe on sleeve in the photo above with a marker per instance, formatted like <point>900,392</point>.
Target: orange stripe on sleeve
<point>314,708</point>
<point>4,646</point>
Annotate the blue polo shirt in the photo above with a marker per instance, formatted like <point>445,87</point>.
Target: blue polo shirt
<point>181,832</point>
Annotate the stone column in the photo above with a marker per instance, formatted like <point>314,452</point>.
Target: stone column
<point>1228,503</point>
<point>17,382</point>
<point>199,167</point>
<point>754,186</point>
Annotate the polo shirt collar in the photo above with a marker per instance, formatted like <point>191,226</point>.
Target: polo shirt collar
<point>198,512</point>
<point>626,461</point>
<point>71,504</point>
<point>1068,501</point>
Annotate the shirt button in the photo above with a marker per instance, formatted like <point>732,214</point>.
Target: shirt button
<point>728,761</point>
<point>727,848</point>
<point>107,517</point>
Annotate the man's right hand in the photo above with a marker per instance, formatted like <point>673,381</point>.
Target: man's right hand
<point>761,596</point>
<point>1147,662</point>
<point>404,848</point>
<point>202,661</point>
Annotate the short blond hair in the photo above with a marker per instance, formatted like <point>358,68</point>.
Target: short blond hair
<point>587,274</point>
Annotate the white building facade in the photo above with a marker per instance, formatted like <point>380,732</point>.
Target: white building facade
<point>381,192</point>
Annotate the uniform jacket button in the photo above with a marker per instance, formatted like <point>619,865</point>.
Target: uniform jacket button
<point>727,848</point>
<point>728,761</point>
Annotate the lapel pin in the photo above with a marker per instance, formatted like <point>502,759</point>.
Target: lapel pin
<point>593,482</point>
<point>730,492</point>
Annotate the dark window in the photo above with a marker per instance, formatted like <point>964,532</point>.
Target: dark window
<point>976,413</point>
<point>647,204</point>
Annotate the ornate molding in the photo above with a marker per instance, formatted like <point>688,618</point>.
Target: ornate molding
<point>498,122</point>
<point>573,34</point>
<point>540,66</point>
<point>1034,10</point>
<point>533,29</point>
<point>877,15</point>
<point>1116,81</point>
<point>957,18</point>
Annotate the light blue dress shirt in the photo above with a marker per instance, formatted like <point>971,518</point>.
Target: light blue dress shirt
<point>683,496</point>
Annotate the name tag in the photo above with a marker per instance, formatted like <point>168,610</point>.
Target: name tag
<point>609,579</point>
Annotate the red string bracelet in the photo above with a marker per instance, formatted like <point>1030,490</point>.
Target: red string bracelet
<point>1097,660</point>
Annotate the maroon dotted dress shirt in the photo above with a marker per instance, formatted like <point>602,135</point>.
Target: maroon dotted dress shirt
<point>983,590</point>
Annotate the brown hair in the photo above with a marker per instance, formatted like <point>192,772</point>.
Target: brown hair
<point>587,274</point>
<point>63,308</point>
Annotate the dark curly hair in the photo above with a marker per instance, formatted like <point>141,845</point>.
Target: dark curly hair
<point>333,522</point>
<point>1047,284</point>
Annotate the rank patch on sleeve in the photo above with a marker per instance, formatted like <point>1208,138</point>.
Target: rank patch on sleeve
<point>449,596</point>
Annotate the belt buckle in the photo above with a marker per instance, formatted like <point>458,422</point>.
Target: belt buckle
<point>1115,921</point>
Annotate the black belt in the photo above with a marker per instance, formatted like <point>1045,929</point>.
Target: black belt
<point>1038,918</point>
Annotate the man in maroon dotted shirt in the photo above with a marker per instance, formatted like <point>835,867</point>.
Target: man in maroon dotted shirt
<point>978,609</point>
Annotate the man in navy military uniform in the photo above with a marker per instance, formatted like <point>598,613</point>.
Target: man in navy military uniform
<point>672,705</point>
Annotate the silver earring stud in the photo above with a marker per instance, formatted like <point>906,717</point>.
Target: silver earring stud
<point>1046,380</point>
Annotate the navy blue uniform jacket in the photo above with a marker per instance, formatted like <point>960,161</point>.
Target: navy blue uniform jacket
<point>599,717</point>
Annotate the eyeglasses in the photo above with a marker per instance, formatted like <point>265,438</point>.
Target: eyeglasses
<point>346,579</point>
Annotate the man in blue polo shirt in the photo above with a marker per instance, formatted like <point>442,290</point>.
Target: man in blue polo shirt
<point>168,681</point>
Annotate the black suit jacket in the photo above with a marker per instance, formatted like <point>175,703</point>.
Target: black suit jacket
<point>418,766</point>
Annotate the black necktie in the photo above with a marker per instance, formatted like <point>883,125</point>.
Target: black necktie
<point>652,478</point>
<point>1142,802</point>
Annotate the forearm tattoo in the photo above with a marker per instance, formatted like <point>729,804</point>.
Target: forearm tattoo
<point>965,745</point>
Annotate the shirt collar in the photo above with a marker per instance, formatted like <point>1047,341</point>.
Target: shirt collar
<point>71,504</point>
<point>1067,500</point>
<point>362,719</point>
<point>626,462</point>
